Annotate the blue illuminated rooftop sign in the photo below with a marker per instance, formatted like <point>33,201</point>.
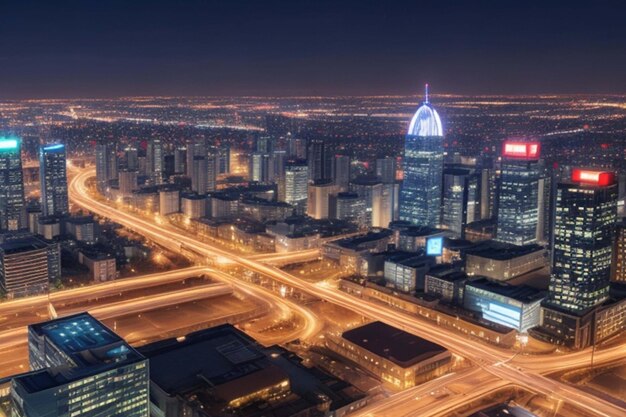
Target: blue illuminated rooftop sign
<point>54,147</point>
<point>8,144</point>
<point>434,246</point>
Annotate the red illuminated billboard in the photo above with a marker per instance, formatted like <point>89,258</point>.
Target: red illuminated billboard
<point>521,150</point>
<point>586,176</point>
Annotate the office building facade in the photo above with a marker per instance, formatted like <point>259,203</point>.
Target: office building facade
<point>53,180</point>
<point>584,227</point>
<point>80,368</point>
<point>420,195</point>
<point>518,204</point>
<point>12,208</point>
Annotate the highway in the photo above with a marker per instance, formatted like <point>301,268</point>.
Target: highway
<point>497,361</point>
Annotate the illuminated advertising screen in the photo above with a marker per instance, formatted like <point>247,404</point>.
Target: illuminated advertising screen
<point>434,246</point>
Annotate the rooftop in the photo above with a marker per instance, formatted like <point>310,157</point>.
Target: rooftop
<point>398,346</point>
<point>521,293</point>
<point>502,251</point>
<point>355,242</point>
<point>22,245</point>
<point>90,346</point>
<point>447,272</point>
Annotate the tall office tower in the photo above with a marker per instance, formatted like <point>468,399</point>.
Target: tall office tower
<point>106,164</point>
<point>461,199</point>
<point>180,158</point>
<point>264,144</point>
<point>618,274</point>
<point>585,216</point>
<point>293,189</point>
<point>224,159</point>
<point>212,167</point>
<point>518,205</point>
<point>320,161</point>
<point>488,190</point>
<point>199,172</point>
<point>341,172</point>
<point>420,195</point>
<point>261,167</point>
<point>386,169</point>
<point>24,268</point>
<point>53,180</point>
<point>376,198</point>
<point>189,157</point>
<point>154,160</point>
<point>81,369</point>
<point>279,160</point>
<point>130,156</point>
<point>296,147</point>
<point>12,207</point>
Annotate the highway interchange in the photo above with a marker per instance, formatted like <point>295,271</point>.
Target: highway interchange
<point>495,367</point>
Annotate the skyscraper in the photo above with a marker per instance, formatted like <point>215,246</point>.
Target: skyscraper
<point>585,217</point>
<point>12,209</point>
<point>518,205</point>
<point>81,369</point>
<point>154,160</point>
<point>319,161</point>
<point>420,195</point>
<point>53,180</point>
<point>212,168</point>
<point>461,199</point>
<point>106,164</point>
<point>386,169</point>
<point>199,172</point>
<point>294,187</point>
<point>341,172</point>
<point>261,167</point>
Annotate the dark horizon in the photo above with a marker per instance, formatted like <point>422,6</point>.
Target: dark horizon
<point>88,49</point>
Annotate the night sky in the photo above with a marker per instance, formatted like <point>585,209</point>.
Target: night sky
<point>100,48</point>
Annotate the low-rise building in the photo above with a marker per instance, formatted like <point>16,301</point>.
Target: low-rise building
<point>82,228</point>
<point>24,267</point>
<point>193,206</point>
<point>398,358</point>
<point>446,282</point>
<point>169,202</point>
<point>102,266</point>
<point>348,251</point>
<point>502,262</point>
<point>223,372</point>
<point>518,307</point>
<point>413,238</point>
<point>407,273</point>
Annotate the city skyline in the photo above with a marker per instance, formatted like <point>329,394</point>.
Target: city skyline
<point>256,218</point>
